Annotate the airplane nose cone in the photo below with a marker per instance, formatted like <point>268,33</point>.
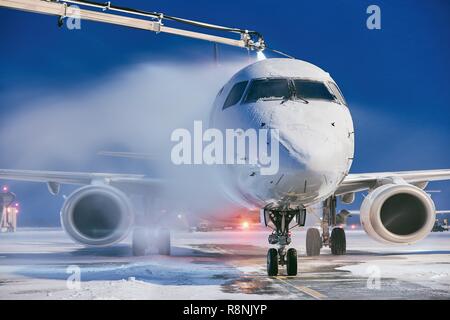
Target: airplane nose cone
<point>310,158</point>
<point>315,135</point>
<point>302,147</point>
<point>301,142</point>
<point>309,164</point>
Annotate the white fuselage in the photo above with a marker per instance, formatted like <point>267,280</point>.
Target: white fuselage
<point>316,139</point>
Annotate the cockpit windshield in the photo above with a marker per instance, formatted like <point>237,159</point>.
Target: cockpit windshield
<point>307,89</point>
<point>337,92</point>
<point>268,89</point>
<point>235,94</point>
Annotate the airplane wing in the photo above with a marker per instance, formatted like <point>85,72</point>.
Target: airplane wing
<point>362,181</point>
<point>127,155</point>
<point>80,178</point>
<point>357,212</point>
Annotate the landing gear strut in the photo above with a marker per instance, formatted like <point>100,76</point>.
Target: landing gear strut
<point>280,220</point>
<point>336,241</point>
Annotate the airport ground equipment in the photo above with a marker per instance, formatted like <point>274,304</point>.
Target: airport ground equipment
<point>139,19</point>
<point>8,221</point>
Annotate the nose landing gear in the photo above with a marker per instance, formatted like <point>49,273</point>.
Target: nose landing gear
<point>279,221</point>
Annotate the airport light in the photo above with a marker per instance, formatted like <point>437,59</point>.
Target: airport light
<point>12,210</point>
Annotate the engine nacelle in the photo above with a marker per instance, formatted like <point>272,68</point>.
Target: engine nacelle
<point>397,213</point>
<point>97,215</point>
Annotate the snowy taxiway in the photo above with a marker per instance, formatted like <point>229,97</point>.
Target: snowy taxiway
<point>36,263</point>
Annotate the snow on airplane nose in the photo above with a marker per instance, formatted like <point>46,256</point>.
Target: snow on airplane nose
<point>313,146</point>
<point>310,142</point>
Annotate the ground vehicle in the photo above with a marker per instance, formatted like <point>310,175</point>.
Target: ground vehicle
<point>438,227</point>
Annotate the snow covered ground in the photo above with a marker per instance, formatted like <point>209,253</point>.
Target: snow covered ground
<point>46,264</point>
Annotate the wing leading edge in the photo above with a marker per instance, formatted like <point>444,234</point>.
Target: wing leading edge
<point>363,181</point>
<point>55,178</point>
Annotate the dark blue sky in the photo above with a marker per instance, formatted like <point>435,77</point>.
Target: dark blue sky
<point>395,79</point>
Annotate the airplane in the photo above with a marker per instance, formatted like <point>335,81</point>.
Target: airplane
<point>313,132</point>
<point>316,150</point>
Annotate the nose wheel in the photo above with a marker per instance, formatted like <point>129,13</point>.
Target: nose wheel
<point>272,262</point>
<point>291,262</point>
<point>280,220</point>
<point>274,259</point>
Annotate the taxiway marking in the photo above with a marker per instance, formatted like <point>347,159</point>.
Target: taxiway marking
<point>311,292</point>
<point>308,291</point>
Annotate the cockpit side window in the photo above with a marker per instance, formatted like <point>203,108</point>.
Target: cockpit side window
<point>337,92</point>
<point>235,94</point>
<point>220,91</point>
<point>268,89</point>
<point>307,89</point>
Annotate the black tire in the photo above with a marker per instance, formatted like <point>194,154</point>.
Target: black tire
<point>163,242</point>
<point>338,243</point>
<point>291,262</point>
<point>272,262</point>
<point>139,244</point>
<point>313,242</point>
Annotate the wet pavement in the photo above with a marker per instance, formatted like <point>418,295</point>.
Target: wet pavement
<point>40,264</point>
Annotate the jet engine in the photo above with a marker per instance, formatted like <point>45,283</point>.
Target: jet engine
<point>97,215</point>
<point>397,213</point>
